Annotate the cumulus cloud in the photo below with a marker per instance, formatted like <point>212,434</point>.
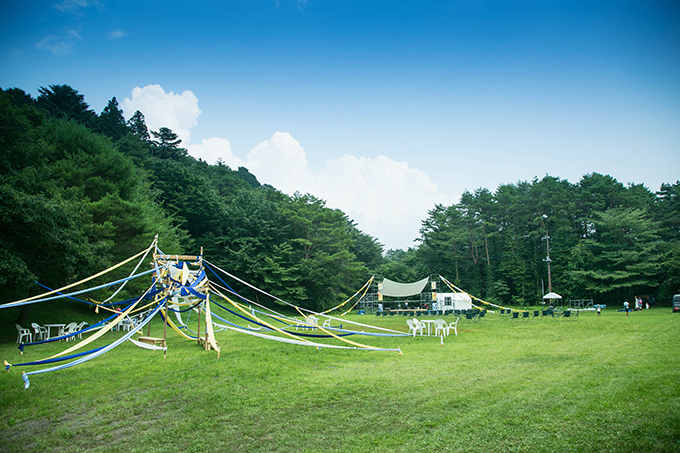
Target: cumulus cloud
<point>212,149</point>
<point>387,199</point>
<point>280,160</point>
<point>178,112</point>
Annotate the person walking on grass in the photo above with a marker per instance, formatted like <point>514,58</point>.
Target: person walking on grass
<point>626,308</point>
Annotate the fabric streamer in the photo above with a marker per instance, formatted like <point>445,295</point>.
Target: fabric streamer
<point>102,350</point>
<point>40,297</point>
<point>152,347</point>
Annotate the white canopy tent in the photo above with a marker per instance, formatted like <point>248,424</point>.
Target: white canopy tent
<point>395,289</point>
<point>553,298</point>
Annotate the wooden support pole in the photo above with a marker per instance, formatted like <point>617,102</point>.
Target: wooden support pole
<point>198,335</point>
<point>165,330</point>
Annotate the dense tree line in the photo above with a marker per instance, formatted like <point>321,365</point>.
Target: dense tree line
<point>605,241</point>
<point>81,191</point>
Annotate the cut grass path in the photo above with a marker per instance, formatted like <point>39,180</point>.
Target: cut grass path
<point>607,384</point>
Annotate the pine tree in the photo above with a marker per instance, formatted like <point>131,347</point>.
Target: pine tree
<point>112,122</point>
<point>137,126</point>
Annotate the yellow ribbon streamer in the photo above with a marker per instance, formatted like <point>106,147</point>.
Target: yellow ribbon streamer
<point>54,291</point>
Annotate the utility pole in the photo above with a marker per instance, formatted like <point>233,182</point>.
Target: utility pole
<point>546,238</point>
<point>547,258</point>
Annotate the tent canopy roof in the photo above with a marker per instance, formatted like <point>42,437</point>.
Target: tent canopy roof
<point>395,289</point>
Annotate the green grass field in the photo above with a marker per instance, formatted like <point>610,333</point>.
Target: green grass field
<point>606,384</point>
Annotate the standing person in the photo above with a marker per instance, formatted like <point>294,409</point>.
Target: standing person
<point>626,307</point>
<point>599,309</point>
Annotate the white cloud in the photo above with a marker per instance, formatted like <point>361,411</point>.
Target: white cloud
<point>57,45</point>
<point>215,148</point>
<point>279,161</point>
<point>178,112</point>
<point>116,34</point>
<point>386,198</point>
<point>75,7</point>
<point>60,46</point>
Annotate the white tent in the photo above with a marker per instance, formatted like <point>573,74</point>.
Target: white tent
<point>552,296</point>
<point>395,289</point>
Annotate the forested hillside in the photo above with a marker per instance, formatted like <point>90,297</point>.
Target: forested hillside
<point>81,191</point>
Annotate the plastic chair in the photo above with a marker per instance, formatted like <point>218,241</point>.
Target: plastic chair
<point>69,329</point>
<point>454,326</point>
<point>414,326</point>
<point>125,325</point>
<point>515,315</point>
<point>80,327</point>
<point>23,333</point>
<point>421,325</point>
<point>39,332</point>
<point>440,327</point>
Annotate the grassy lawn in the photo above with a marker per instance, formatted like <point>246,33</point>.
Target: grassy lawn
<point>607,384</point>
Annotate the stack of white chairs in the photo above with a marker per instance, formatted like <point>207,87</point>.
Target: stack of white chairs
<point>414,326</point>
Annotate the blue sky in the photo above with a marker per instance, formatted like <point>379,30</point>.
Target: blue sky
<point>381,108</point>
